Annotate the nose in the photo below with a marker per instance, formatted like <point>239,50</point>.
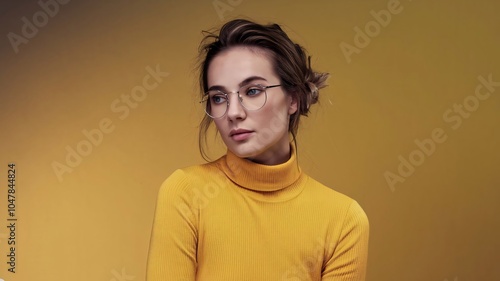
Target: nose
<point>235,110</point>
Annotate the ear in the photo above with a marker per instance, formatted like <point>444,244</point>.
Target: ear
<point>292,104</point>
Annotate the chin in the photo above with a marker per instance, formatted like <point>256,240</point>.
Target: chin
<point>254,148</point>
<point>244,150</point>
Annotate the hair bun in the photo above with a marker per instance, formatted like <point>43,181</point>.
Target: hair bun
<point>312,93</point>
<point>314,82</point>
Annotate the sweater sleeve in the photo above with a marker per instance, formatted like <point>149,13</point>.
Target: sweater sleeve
<point>348,262</point>
<point>172,250</point>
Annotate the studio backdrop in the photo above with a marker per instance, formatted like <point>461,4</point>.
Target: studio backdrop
<point>99,105</point>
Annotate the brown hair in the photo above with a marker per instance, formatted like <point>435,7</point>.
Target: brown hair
<point>289,59</point>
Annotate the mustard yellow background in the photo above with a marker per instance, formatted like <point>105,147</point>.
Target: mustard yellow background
<point>439,222</point>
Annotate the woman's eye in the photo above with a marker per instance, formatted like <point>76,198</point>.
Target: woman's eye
<point>218,99</point>
<point>254,91</point>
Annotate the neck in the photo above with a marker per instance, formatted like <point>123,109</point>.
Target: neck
<point>276,155</point>
<point>271,158</point>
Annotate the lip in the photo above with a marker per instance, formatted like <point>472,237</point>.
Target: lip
<point>240,134</point>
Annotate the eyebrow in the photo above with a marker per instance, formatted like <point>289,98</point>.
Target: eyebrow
<point>242,83</point>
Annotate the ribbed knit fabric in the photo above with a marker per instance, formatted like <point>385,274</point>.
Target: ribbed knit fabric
<point>233,219</point>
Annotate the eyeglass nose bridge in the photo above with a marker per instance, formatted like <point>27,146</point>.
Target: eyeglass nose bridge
<point>228,103</point>
<point>240,99</point>
<point>240,107</point>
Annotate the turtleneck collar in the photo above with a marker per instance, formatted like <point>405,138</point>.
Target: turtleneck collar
<point>259,177</point>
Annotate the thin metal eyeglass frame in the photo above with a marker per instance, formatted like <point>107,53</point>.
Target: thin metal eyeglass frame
<point>239,99</point>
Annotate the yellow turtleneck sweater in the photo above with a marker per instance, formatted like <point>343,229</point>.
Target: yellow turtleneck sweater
<point>235,220</point>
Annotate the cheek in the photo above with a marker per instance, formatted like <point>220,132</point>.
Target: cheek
<point>276,118</point>
<point>218,125</point>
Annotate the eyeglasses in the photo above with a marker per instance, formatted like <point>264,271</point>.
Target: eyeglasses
<point>251,97</point>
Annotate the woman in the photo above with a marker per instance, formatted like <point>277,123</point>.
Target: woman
<point>253,214</point>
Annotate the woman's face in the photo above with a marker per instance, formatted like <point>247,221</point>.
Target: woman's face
<point>263,136</point>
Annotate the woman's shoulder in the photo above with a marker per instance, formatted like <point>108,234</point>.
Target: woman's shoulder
<point>185,185</point>
<point>194,174</point>
<point>336,205</point>
<point>205,171</point>
<point>329,196</point>
<point>320,189</point>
